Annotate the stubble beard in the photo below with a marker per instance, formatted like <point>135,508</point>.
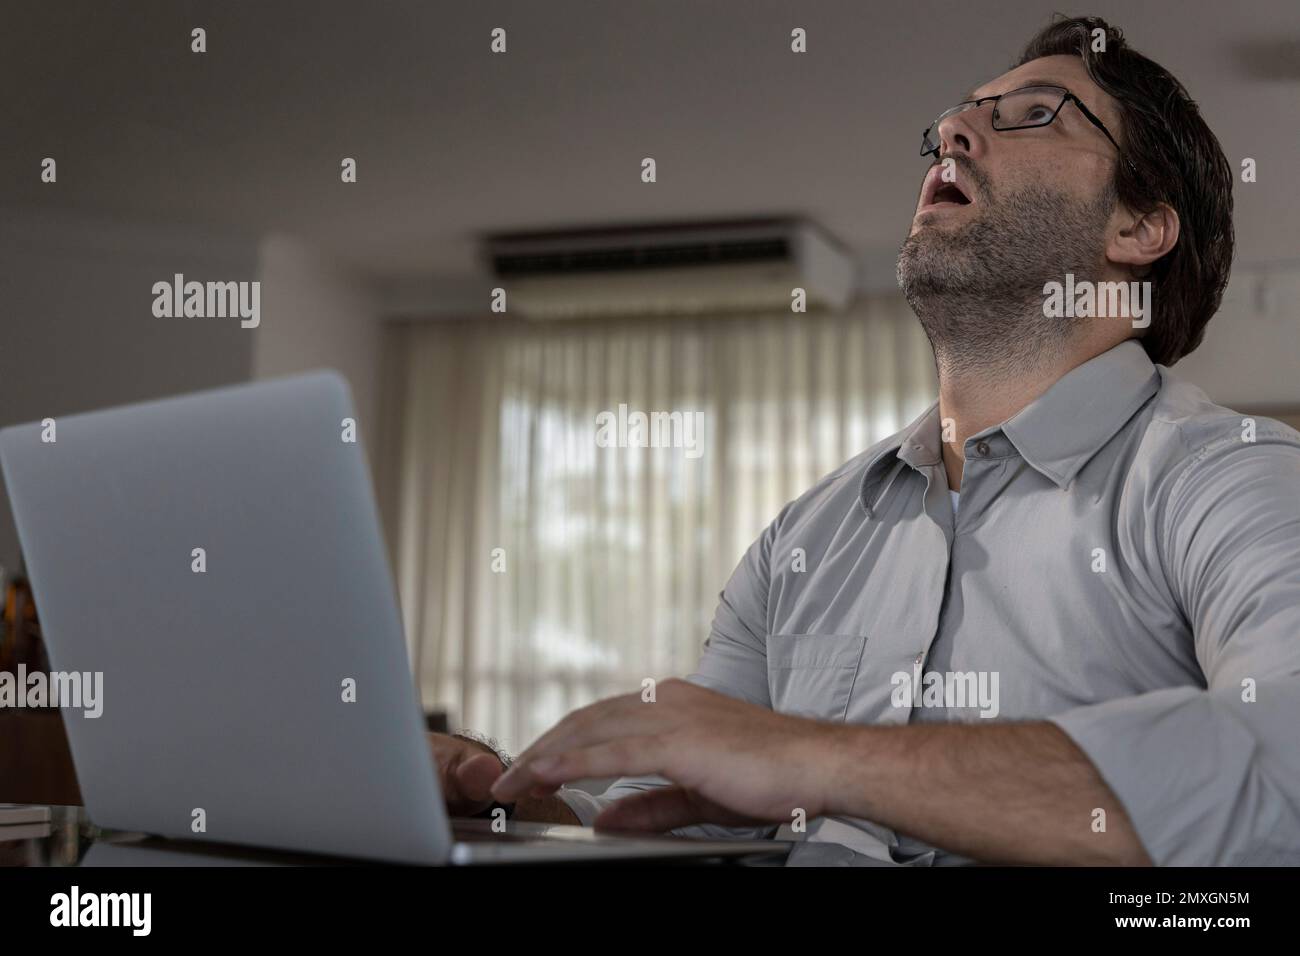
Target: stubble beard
<point>978,288</point>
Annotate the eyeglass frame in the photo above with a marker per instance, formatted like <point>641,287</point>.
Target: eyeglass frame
<point>1066,97</point>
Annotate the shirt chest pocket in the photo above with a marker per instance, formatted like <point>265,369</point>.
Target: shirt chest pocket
<point>812,674</point>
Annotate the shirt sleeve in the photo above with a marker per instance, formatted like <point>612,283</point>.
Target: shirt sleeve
<point>734,662</point>
<point>1211,776</point>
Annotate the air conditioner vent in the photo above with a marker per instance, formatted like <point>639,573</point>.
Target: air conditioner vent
<point>670,270</point>
<point>615,258</point>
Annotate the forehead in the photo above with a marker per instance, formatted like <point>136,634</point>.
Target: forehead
<point>1066,71</point>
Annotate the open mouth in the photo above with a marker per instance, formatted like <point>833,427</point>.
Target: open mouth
<point>937,192</point>
<point>950,193</point>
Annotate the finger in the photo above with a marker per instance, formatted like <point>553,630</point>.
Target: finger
<point>450,755</point>
<point>475,776</point>
<point>603,720</point>
<point>445,759</point>
<point>626,756</point>
<point>628,715</point>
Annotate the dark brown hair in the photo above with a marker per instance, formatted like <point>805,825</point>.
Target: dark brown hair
<point>1178,161</point>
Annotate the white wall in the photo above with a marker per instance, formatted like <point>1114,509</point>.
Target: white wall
<point>316,315</point>
<point>1251,353</point>
<point>77,330</point>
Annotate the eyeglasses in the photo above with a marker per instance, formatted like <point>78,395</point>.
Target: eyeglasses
<point>1026,108</point>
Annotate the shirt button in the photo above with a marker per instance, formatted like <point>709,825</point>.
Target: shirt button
<point>919,657</point>
<point>982,449</point>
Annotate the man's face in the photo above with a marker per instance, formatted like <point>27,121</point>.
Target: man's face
<point>1038,204</point>
<point>1070,156</point>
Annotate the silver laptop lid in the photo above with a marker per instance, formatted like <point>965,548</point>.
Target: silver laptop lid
<point>224,670</point>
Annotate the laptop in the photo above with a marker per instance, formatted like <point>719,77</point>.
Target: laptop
<point>217,558</point>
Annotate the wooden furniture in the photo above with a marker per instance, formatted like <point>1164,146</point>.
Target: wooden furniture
<point>35,762</point>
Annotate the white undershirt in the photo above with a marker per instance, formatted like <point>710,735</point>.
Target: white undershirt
<point>956,497</point>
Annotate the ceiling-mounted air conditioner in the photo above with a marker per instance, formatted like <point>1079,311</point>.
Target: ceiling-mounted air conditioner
<point>692,269</point>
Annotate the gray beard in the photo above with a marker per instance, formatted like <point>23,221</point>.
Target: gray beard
<point>978,290</point>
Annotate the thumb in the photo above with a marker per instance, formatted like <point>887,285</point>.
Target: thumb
<point>666,808</point>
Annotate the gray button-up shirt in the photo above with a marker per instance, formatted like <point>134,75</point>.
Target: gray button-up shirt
<point>1125,562</point>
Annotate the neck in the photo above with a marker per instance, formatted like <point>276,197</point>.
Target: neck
<point>972,399</point>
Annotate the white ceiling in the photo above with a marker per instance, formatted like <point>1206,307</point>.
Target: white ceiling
<point>453,141</point>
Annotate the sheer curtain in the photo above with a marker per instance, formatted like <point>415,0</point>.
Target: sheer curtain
<point>538,569</point>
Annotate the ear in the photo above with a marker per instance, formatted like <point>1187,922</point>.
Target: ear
<point>1143,238</point>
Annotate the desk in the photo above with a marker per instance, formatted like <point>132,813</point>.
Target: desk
<point>70,839</point>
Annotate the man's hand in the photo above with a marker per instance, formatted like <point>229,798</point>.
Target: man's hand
<point>732,763</point>
<point>466,772</point>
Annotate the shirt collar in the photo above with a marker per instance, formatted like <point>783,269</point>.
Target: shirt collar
<point>917,444</point>
<point>1057,433</point>
<point>1060,431</point>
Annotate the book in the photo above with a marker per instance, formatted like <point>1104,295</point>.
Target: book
<point>12,814</point>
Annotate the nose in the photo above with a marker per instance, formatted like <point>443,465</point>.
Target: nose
<point>967,132</point>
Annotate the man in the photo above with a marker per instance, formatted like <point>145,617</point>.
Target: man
<point>1070,541</point>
